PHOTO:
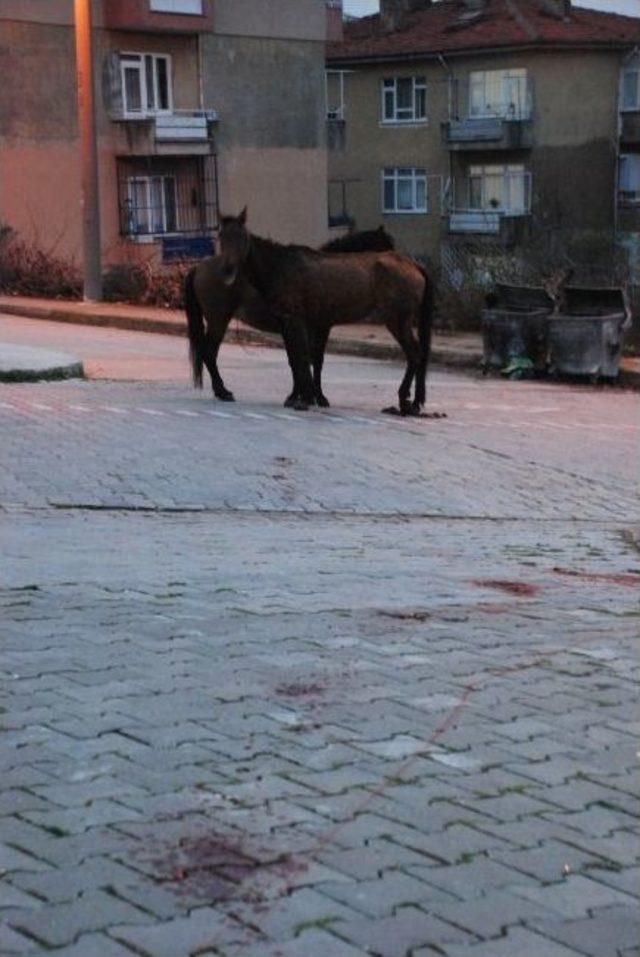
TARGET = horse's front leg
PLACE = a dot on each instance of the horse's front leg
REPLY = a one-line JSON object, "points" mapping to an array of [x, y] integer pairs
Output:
{"points": [[293, 396], [297, 346], [320, 338], [213, 339]]}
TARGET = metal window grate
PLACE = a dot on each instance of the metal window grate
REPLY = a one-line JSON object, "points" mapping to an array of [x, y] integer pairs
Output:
{"points": [[160, 197]]}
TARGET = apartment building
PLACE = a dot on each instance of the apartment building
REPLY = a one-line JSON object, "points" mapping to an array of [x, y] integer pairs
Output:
{"points": [[200, 104], [485, 122], [628, 193]]}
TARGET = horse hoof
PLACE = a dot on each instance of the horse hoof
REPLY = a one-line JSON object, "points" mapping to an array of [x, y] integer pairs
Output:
{"points": [[225, 396], [391, 410], [300, 406], [290, 401], [323, 402]]}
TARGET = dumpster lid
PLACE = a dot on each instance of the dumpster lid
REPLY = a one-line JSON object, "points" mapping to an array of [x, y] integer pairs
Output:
{"points": [[520, 298], [595, 301]]}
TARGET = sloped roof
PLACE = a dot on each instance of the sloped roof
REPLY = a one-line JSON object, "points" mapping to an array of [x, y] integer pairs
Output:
{"points": [[449, 27]]}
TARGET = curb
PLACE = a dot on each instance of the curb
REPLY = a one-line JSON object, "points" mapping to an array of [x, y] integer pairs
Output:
{"points": [[74, 370], [25, 363], [244, 335], [237, 333]]}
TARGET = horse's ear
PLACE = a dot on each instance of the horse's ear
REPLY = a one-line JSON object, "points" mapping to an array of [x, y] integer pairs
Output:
{"points": [[242, 218]]}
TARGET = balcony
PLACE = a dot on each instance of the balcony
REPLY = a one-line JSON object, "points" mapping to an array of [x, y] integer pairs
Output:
{"points": [[507, 228], [179, 133], [630, 128], [159, 16], [170, 202], [487, 133]]}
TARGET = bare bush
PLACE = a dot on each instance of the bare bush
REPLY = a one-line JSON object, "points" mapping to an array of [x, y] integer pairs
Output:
{"points": [[28, 270]]}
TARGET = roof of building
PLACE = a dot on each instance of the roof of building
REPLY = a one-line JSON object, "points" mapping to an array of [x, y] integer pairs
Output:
{"points": [[454, 26]]}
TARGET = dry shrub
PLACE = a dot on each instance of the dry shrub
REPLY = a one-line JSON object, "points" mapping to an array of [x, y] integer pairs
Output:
{"points": [[147, 284], [28, 270]]}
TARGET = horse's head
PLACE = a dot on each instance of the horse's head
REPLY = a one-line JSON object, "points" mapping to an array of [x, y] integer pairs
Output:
{"points": [[234, 242]]}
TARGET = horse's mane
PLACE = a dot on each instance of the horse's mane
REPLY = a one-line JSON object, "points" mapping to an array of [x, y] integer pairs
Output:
{"points": [[369, 240]]}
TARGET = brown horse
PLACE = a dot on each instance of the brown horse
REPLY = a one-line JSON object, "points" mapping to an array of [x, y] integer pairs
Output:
{"points": [[308, 291], [211, 302]]}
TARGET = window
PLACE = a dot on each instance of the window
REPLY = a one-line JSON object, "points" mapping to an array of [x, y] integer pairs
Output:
{"points": [[177, 6], [151, 205], [334, 90], [630, 94], [404, 100], [501, 93], [404, 190], [629, 178], [504, 189], [146, 83]]}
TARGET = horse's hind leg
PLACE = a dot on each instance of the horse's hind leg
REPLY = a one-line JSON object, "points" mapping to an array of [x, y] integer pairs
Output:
{"points": [[213, 340], [296, 343], [320, 337], [403, 334]]}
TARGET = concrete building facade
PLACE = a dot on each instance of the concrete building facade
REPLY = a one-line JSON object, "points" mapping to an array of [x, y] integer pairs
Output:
{"points": [[201, 105], [481, 121]]}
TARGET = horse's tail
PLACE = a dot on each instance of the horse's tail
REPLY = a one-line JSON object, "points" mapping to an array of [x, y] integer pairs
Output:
{"points": [[425, 328], [426, 316], [195, 326]]}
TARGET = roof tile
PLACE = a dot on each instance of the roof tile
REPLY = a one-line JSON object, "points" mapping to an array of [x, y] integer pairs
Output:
{"points": [[443, 28]]}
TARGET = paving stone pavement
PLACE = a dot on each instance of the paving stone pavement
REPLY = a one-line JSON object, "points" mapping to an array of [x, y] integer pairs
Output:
{"points": [[328, 685]]}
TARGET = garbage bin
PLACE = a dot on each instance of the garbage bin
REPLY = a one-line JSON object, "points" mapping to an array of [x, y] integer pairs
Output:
{"points": [[514, 326], [585, 338]]}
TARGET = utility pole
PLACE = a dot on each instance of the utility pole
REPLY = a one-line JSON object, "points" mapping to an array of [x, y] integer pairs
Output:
{"points": [[92, 271]]}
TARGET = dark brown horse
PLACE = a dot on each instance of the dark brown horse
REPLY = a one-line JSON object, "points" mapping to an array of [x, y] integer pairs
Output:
{"points": [[308, 291], [211, 302]]}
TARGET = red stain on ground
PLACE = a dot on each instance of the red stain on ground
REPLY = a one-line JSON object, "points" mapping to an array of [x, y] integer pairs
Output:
{"points": [[218, 868], [614, 578], [513, 588]]}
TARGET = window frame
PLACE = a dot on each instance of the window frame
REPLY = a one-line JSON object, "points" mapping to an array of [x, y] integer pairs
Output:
{"points": [[506, 171], [629, 197], [190, 8], [147, 180], [501, 111], [395, 174], [127, 62], [389, 84], [636, 106]]}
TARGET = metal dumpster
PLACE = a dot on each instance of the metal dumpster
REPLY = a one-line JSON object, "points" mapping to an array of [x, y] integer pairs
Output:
{"points": [[514, 326], [585, 337]]}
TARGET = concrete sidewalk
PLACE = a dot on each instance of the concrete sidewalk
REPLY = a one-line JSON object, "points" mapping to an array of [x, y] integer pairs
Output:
{"points": [[25, 364], [456, 350]]}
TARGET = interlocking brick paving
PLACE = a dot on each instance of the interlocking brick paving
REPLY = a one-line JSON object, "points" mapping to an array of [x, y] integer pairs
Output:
{"points": [[355, 709]]}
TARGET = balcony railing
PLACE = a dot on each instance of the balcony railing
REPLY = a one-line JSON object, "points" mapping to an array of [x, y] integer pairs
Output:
{"points": [[156, 133], [177, 124], [488, 132], [191, 16], [506, 226]]}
